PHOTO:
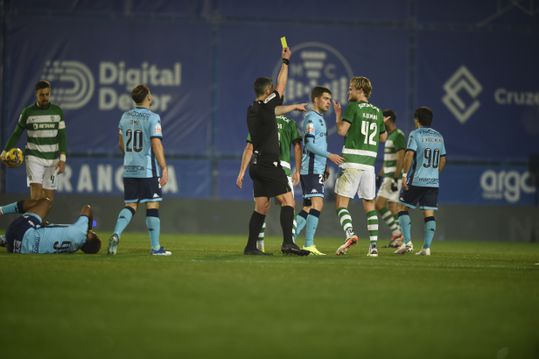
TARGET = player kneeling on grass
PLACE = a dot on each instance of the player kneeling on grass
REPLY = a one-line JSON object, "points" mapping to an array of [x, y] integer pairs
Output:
{"points": [[27, 235], [423, 162]]}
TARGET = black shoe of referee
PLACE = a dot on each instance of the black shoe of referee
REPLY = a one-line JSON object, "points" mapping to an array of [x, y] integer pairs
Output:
{"points": [[292, 248], [255, 252]]}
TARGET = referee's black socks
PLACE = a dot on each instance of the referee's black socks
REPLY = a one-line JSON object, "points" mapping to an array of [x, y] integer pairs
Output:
{"points": [[287, 221], [255, 225]]}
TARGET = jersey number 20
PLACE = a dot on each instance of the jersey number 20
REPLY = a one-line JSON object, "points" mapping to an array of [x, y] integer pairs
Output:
{"points": [[134, 140]]}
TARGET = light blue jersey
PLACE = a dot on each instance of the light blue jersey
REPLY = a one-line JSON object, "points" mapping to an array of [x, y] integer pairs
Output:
{"points": [[137, 127], [53, 238], [315, 144], [428, 146]]}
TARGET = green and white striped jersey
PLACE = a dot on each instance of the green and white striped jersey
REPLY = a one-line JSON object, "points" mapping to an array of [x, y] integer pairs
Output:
{"points": [[288, 134], [396, 141], [45, 130], [361, 142]]}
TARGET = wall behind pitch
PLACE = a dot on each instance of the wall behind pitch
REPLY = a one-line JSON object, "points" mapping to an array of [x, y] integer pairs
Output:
{"points": [[484, 91], [95, 62], [500, 223], [410, 49], [322, 55]]}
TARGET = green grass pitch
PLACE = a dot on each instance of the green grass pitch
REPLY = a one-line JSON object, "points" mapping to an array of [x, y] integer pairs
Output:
{"points": [[467, 300]]}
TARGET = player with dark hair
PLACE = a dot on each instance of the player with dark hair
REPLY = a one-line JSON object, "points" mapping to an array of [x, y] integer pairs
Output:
{"points": [[363, 127], [46, 142], [145, 168], [28, 235], [269, 179], [313, 166], [425, 158], [387, 199]]}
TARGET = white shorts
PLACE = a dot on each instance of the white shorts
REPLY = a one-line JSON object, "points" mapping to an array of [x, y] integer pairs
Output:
{"points": [[354, 180], [386, 192], [41, 171]]}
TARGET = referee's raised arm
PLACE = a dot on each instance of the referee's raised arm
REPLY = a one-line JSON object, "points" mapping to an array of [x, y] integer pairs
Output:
{"points": [[283, 72]]}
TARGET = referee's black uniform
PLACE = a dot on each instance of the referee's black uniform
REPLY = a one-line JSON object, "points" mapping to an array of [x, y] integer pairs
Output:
{"points": [[269, 179]]}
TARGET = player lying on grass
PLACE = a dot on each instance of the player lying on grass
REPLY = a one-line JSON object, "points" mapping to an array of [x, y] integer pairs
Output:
{"points": [[27, 234]]}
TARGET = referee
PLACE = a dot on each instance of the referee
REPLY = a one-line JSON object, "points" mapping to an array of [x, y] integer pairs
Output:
{"points": [[269, 178]]}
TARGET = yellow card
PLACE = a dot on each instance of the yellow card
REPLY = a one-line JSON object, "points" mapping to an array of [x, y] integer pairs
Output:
{"points": [[283, 42]]}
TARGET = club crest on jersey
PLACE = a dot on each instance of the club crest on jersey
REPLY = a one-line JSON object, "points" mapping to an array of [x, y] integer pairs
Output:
{"points": [[309, 128]]}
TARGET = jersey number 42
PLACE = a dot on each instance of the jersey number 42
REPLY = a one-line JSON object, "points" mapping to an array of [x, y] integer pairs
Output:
{"points": [[368, 130]]}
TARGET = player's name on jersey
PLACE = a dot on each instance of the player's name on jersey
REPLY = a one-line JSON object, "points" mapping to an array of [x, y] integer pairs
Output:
{"points": [[365, 104], [370, 116], [431, 139]]}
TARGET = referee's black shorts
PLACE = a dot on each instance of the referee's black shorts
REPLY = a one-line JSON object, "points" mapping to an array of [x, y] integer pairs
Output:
{"points": [[269, 179]]}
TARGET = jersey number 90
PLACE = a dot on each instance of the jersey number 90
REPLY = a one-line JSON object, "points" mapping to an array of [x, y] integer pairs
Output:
{"points": [[432, 158]]}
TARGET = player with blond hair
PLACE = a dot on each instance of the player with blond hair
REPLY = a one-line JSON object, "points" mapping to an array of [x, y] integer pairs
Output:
{"points": [[362, 126]]}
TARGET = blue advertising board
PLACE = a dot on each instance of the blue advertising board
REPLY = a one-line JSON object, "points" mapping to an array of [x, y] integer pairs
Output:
{"points": [[104, 177], [460, 184], [485, 96], [319, 57], [200, 59], [93, 73], [487, 185]]}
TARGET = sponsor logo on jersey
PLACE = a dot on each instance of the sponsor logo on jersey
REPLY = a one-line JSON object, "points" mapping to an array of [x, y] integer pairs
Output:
{"points": [[309, 128]]}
